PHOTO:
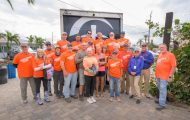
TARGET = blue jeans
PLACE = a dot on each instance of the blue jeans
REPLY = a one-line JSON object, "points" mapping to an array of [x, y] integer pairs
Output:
{"points": [[49, 85], [70, 80], [114, 80], [162, 86]]}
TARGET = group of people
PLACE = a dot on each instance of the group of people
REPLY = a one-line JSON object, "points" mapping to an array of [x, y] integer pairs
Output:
{"points": [[92, 63]]}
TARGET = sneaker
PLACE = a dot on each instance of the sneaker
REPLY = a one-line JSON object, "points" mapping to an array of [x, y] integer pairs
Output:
{"points": [[148, 96], [50, 94], [111, 99], [81, 98], [118, 99], [25, 101], [74, 96], [156, 101], [89, 100], [131, 96], [138, 101], [92, 98], [160, 108], [122, 92], [68, 100]]}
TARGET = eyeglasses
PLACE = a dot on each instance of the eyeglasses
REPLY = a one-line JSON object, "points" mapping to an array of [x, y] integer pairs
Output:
{"points": [[23, 46], [89, 33], [137, 51], [143, 45]]}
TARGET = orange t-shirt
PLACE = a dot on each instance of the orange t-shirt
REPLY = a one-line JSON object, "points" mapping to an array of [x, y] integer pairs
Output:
{"points": [[88, 39], [76, 45], [98, 43], [37, 63], [115, 66], [164, 64], [125, 56], [49, 54], [56, 62], [122, 41], [63, 45], [109, 43], [69, 61], [24, 62], [88, 62]]}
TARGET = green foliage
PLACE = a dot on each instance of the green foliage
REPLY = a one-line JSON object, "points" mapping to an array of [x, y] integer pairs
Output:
{"points": [[10, 38], [39, 41], [29, 2]]}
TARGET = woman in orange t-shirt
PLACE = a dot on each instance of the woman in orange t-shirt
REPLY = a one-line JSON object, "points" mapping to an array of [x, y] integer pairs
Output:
{"points": [[90, 64], [101, 71], [39, 64]]}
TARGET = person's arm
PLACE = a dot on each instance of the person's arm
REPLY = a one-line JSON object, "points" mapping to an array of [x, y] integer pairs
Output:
{"points": [[129, 66], [35, 66], [173, 64], [149, 59], [78, 59], [140, 67], [62, 64], [16, 61], [47, 66]]}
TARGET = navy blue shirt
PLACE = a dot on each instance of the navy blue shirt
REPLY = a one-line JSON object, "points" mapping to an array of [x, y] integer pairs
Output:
{"points": [[148, 59]]}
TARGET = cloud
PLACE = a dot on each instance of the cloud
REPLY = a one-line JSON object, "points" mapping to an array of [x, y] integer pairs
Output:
{"points": [[44, 18]]}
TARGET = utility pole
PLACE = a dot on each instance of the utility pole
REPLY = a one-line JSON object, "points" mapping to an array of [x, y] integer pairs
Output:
{"points": [[149, 28], [52, 38]]}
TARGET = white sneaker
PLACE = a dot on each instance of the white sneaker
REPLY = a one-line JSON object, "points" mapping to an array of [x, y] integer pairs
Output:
{"points": [[89, 100], [92, 98], [25, 101]]}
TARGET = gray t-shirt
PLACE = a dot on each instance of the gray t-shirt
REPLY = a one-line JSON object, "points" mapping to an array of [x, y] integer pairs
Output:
{"points": [[79, 58]]}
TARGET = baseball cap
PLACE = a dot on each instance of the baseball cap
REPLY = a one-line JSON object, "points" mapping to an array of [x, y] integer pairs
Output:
{"points": [[24, 44], [137, 49], [123, 32], [115, 52], [47, 43], [90, 43], [69, 45]]}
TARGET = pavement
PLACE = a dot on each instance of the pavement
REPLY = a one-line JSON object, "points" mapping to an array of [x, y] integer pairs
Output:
{"points": [[11, 108]]}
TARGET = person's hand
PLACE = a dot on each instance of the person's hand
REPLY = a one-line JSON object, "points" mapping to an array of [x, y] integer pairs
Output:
{"points": [[41, 67], [170, 79], [133, 73], [65, 73]]}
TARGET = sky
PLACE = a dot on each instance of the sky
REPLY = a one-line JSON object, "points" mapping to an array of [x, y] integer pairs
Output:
{"points": [[43, 18]]}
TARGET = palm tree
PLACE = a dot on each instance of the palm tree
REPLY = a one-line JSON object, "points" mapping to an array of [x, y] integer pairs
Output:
{"points": [[30, 40], [39, 41], [10, 39], [145, 38], [140, 41], [29, 2]]}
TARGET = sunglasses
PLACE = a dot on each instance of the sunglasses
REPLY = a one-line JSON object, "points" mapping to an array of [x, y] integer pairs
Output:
{"points": [[23, 46], [89, 33], [143, 45], [136, 51]]}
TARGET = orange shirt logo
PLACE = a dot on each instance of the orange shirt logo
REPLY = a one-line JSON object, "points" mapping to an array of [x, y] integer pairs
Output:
{"points": [[26, 59]]}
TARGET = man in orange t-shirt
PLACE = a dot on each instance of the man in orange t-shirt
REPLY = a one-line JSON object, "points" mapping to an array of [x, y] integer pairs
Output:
{"points": [[125, 56], [165, 68], [23, 62], [115, 71], [49, 52], [63, 42], [58, 73], [77, 43], [99, 42], [122, 41], [109, 42], [88, 37], [68, 66]]}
